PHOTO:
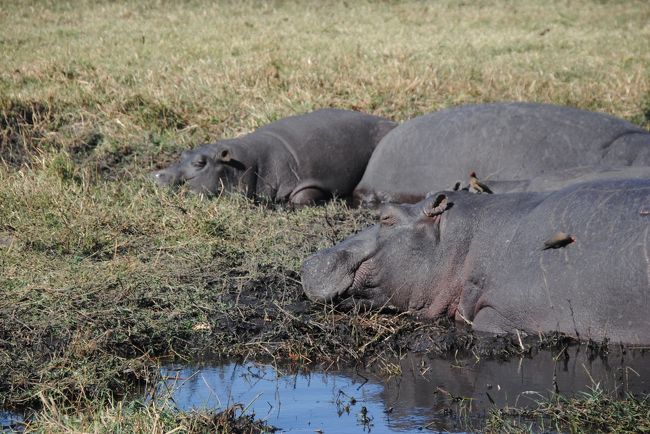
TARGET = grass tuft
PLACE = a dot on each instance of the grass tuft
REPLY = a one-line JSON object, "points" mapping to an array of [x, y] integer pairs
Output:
{"points": [[596, 411]]}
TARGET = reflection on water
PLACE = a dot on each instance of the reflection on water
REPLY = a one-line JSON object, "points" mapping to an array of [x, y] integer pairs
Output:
{"points": [[296, 402], [432, 394], [10, 422]]}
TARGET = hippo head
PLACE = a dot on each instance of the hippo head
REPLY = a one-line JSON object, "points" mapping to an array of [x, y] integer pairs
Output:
{"points": [[210, 169], [390, 264]]}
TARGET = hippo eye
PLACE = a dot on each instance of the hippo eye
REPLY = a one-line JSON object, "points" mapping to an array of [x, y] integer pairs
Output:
{"points": [[199, 163], [387, 220]]}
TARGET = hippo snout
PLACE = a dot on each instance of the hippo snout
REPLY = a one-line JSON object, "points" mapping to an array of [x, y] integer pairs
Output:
{"points": [[164, 178], [323, 278], [329, 274]]}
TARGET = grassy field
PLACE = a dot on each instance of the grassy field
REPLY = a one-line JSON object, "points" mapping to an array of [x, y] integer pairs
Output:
{"points": [[102, 275]]}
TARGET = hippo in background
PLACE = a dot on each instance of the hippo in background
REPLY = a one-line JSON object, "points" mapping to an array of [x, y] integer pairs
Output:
{"points": [[487, 260], [300, 159], [507, 144], [558, 179]]}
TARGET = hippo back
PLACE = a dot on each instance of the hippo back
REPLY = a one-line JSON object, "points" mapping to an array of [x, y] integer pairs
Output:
{"points": [[331, 146], [598, 286], [500, 141]]}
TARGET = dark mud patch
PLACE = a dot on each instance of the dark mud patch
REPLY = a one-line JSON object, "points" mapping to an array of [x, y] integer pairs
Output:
{"points": [[234, 419], [23, 129], [115, 162], [286, 326], [85, 144], [112, 164]]}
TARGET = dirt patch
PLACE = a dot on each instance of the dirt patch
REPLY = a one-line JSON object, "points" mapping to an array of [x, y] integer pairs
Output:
{"points": [[232, 420], [23, 126], [7, 236], [286, 326], [81, 148], [113, 164]]}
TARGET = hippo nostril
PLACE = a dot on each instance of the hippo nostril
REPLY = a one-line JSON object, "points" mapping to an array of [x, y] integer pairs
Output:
{"points": [[163, 178]]}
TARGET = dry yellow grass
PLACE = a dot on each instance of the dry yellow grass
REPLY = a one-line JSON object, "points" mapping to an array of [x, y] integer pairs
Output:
{"points": [[231, 66]]}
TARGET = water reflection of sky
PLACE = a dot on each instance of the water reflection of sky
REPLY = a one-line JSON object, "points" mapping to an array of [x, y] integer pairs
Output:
{"points": [[8, 421], [295, 402], [433, 394]]}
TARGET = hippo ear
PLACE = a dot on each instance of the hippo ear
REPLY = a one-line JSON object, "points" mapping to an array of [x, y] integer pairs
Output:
{"points": [[437, 207], [224, 155]]}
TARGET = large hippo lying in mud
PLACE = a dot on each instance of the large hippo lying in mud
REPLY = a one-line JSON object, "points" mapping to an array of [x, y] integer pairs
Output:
{"points": [[485, 259], [301, 159], [507, 144]]}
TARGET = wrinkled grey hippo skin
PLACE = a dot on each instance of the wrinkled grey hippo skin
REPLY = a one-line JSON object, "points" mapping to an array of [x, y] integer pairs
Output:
{"points": [[481, 261], [507, 144], [301, 159]]}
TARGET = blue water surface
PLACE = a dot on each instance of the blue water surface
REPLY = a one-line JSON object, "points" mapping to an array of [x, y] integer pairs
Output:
{"points": [[431, 395], [10, 422], [302, 402]]}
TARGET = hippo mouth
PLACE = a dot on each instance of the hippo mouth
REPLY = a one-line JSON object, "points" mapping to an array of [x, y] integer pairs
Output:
{"points": [[328, 282], [362, 292], [343, 271], [361, 276], [356, 284]]}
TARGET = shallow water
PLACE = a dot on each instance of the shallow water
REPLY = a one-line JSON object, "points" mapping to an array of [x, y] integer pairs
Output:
{"points": [[429, 394], [9, 421]]}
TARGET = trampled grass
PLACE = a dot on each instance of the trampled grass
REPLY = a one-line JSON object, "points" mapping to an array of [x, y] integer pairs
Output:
{"points": [[101, 273]]}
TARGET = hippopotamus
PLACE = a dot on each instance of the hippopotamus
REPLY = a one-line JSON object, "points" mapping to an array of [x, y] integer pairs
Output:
{"points": [[507, 144], [486, 260], [300, 159]]}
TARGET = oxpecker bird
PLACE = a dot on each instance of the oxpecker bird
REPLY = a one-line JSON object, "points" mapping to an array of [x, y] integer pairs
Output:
{"points": [[476, 186], [559, 240]]}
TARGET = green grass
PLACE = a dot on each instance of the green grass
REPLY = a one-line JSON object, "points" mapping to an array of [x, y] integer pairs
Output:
{"points": [[101, 274]]}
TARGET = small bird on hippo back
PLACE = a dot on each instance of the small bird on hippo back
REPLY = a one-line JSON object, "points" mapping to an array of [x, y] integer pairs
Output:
{"points": [[559, 240], [476, 186]]}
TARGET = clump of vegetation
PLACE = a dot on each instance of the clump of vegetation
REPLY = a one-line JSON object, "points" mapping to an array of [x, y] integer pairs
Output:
{"points": [[101, 274], [139, 417], [596, 411]]}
